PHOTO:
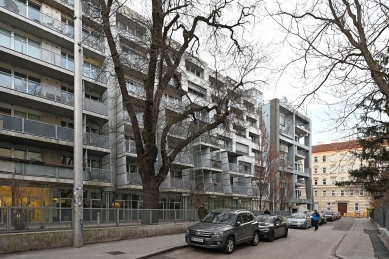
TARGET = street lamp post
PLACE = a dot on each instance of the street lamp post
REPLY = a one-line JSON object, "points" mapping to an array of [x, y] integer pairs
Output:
{"points": [[78, 156]]}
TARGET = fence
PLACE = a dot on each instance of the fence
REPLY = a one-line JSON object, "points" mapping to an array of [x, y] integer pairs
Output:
{"points": [[20, 219], [381, 216]]}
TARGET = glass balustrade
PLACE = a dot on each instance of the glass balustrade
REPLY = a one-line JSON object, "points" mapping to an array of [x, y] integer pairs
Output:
{"points": [[31, 13]]}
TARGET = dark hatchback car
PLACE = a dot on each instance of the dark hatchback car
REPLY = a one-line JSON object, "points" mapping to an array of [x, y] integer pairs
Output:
{"points": [[272, 226], [223, 229]]}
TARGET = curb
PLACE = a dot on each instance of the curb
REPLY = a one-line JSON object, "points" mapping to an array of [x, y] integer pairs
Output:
{"points": [[162, 252]]}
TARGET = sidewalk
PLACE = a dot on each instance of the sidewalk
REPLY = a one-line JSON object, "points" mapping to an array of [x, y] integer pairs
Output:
{"points": [[129, 249], [362, 242]]}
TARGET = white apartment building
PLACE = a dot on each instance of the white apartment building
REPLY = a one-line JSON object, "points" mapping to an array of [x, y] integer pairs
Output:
{"points": [[36, 120]]}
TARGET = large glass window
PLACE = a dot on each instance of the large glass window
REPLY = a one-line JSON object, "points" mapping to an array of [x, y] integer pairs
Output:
{"points": [[5, 152], [5, 77], [5, 38], [356, 206], [34, 155], [20, 44], [20, 82], [20, 154], [20, 114], [34, 12], [34, 49]]}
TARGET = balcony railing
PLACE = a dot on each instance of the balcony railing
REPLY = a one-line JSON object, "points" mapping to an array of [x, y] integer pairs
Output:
{"points": [[239, 190], [49, 130], [57, 172], [34, 50], [95, 106], [207, 163], [214, 187], [38, 17], [183, 157], [236, 168], [209, 140], [178, 131], [134, 179], [97, 175], [301, 152]]}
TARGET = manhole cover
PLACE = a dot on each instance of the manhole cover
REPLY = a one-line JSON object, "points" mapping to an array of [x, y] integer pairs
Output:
{"points": [[115, 253]]}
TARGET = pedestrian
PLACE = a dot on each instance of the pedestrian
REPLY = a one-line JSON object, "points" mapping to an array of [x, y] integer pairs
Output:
{"points": [[202, 211], [267, 211], [315, 219]]}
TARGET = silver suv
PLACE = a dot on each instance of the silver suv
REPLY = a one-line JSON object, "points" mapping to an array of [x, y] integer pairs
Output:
{"points": [[223, 229]]}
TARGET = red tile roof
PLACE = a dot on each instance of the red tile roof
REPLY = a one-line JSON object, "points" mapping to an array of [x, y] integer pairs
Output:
{"points": [[337, 146]]}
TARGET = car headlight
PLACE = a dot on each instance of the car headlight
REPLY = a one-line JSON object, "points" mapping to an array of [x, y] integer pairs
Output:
{"points": [[264, 229], [217, 234]]}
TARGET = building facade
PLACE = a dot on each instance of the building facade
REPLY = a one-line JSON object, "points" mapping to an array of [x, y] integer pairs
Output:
{"points": [[290, 132], [331, 163], [36, 120]]}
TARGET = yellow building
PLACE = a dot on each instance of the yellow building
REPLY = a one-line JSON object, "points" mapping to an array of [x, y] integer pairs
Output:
{"points": [[330, 164]]}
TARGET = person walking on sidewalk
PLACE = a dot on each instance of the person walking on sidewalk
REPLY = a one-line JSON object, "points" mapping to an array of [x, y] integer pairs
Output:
{"points": [[202, 211], [267, 211], [315, 219]]}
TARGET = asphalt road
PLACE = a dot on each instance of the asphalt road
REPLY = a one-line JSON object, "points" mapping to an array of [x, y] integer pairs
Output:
{"points": [[300, 244]]}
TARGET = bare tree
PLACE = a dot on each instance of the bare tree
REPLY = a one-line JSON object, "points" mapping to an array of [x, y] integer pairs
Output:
{"points": [[21, 201], [340, 47], [266, 167], [194, 26]]}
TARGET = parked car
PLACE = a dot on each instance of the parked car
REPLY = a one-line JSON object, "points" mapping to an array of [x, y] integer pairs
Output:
{"points": [[272, 226], [299, 220], [329, 215], [323, 218], [338, 215], [335, 215], [223, 229]]}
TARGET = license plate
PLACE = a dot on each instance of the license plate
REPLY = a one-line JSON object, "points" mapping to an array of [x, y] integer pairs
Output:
{"points": [[197, 239]]}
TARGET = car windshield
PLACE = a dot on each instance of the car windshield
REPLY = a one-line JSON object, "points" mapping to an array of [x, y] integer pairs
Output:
{"points": [[219, 218], [328, 213], [298, 216], [265, 219]]}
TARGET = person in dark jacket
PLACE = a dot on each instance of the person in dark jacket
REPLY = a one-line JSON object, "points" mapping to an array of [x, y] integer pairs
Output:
{"points": [[267, 211], [315, 219], [202, 211]]}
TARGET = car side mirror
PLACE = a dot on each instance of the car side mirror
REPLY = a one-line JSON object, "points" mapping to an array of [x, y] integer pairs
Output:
{"points": [[238, 223]]}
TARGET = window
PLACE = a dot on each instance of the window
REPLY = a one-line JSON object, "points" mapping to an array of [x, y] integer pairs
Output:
{"points": [[5, 111], [315, 159], [324, 170], [198, 71], [135, 88], [34, 117], [66, 124], [333, 180], [241, 148], [20, 114], [332, 192], [356, 206], [332, 158], [342, 179], [20, 154], [324, 158], [131, 27], [324, 193], [341, 192], [6, 152], [361, 193], [197, 90], [351, 193], [90, 70], [5, 75], [333, 169], [342, 169], [315, 182], [282, 119], [315, 171], [5, 38], [324, 181], [67, 61], [66, 160], [315, 192], [34, 155]]}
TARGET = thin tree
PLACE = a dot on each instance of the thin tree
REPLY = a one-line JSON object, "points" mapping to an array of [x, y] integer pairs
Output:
{"points": [[175, 30]]}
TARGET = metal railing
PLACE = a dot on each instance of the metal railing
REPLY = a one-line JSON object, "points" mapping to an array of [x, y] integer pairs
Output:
{"points": [[20, 219], [207, 163], [236, 168], [97, 175], [38, 17], [34, 50], [239, 189], [50, 130], [134, 179], [381, 216]]}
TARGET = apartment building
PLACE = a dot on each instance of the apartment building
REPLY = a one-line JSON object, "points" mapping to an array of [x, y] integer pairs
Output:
{"points": [[290, 132], [36, 119], [331, 163]]}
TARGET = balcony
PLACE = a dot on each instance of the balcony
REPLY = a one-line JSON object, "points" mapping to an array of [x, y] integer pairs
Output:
{"points": [[239, 190], [208, 140], [207, 163], [214, 187], [179, 131], [183, 157], [34, 50], [37, 128], [95, 106], [236, 168], [54, 172], [130, 146], [36, 16]]}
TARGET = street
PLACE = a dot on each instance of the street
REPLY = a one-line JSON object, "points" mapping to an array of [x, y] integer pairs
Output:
{"points": [[300, 244]]}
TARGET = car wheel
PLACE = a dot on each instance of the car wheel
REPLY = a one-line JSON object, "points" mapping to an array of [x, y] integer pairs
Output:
{"points": [[254, 242], [285, 233], [229, 248], [271, 236]]}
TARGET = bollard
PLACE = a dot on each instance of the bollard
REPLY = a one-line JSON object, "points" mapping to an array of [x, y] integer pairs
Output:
{"points": [[117, 217], [98, 219]]}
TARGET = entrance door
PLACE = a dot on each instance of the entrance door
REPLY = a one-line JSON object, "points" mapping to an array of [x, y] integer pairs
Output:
{"points": [[342, 208]]}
